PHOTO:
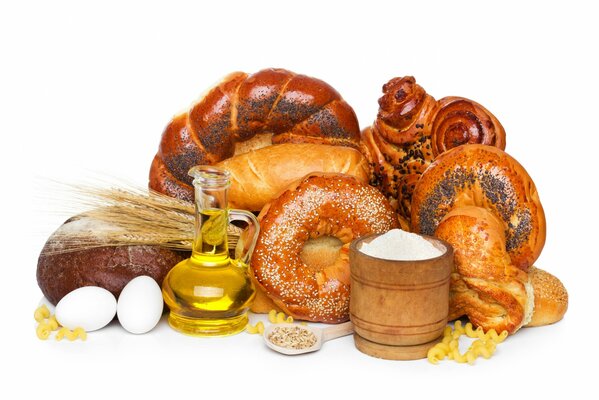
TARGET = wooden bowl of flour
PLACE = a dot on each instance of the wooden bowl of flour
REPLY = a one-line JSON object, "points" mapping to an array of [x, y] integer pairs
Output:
{"points": [[399, 308]]}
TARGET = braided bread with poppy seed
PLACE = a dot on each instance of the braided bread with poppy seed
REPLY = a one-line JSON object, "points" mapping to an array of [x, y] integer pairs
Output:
{"points": [[246, 112], [484, 203]]}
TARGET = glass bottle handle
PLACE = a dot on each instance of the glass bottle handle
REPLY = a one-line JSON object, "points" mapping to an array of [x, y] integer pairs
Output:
{"points": [[252, 230]]}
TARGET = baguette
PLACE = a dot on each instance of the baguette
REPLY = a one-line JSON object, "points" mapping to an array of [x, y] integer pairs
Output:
{"points": [[257, 177]]}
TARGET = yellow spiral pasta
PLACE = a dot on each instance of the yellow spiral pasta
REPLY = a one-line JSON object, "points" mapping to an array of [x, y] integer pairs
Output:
{"points": [[471, 356], [80, 333], [457, 327], [471, 333], [48, 323], [443, 347], [454, 344], [62, 332], [43, 331], [71, 335], [435, 354], [53, 323], [484, 351], [258, 328], [41, 313], [484, 345], [447, 331], [478, 343], [458, 357], [480, 333], [280, 318], [272, 316], [447, 339], [492, 335]]}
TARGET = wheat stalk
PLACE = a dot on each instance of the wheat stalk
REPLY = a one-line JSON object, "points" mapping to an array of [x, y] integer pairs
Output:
{"points": [[131, 216]]}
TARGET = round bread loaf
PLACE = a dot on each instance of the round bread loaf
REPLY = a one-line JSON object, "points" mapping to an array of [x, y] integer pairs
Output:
{"points": [[111, 267], [551, 298]]}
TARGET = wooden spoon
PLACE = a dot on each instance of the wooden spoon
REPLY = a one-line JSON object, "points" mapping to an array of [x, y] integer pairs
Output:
{"points": [[322, 335]]}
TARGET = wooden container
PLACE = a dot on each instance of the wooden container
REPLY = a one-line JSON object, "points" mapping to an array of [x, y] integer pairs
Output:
{"points": [[399, 308]]}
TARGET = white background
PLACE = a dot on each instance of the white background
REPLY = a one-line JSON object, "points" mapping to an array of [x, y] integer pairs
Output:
{"points": [[85, 91]]}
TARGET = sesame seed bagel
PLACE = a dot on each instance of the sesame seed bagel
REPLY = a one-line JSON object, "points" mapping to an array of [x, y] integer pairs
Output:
{"points": [[487, 177], [322, 208]]}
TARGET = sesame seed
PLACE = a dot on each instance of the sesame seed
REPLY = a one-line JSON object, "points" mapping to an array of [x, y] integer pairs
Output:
{"points": [[332, 205]]}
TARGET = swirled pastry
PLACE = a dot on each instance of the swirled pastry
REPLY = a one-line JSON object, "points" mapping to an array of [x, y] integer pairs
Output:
{"points": [[412, 129]]}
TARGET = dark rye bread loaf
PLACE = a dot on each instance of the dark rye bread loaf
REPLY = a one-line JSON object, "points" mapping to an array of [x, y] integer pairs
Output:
{"points": [[110, 267]]}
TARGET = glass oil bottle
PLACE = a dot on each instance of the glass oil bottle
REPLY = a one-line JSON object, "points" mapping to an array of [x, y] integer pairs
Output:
{"points": [[209, 294]]}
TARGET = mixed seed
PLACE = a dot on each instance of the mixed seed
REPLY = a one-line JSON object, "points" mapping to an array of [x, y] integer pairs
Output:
{"points": [[292, 337]]}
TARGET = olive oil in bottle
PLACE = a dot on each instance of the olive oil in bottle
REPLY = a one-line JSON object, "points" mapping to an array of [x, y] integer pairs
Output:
{"points": [[209, 294]]}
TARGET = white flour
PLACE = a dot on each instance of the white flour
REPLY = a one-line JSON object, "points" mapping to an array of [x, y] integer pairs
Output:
{"points": [[400, 245]]}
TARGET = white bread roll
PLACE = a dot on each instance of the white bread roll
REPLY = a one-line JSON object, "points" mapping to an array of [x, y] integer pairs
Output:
{"points": [[258, 176], [551, 298]]}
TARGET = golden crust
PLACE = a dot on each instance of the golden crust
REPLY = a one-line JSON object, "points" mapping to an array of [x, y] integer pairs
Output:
{"points": [[412, 129], [485, 285], [484, 203], [551, 298], [455, 121], [319, 205], [487, 177], [293, 108], [259, 175]]}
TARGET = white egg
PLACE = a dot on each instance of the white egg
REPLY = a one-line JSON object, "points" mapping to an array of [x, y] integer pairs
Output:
{"points": [[140, 305], [89, 307]]}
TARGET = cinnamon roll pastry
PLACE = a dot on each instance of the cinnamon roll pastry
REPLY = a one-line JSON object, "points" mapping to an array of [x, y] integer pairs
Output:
{"points": [[461, 121], [412, 129]]}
